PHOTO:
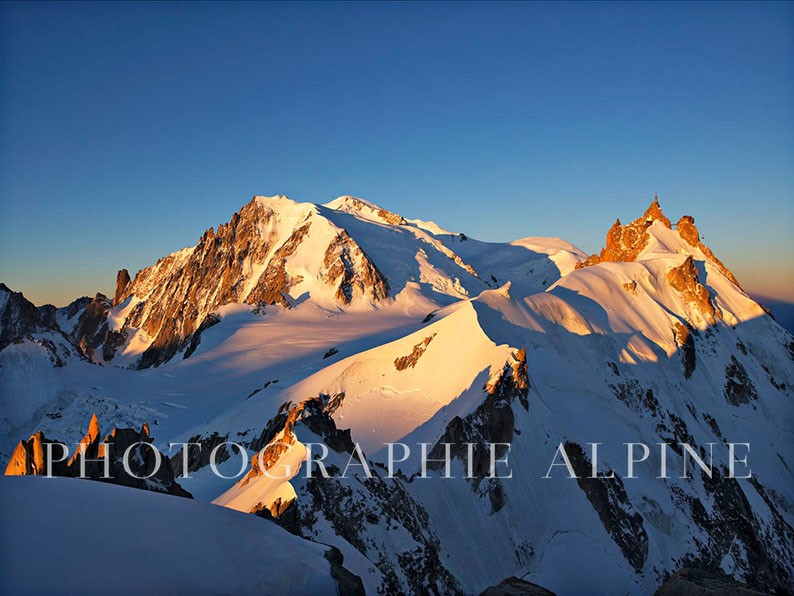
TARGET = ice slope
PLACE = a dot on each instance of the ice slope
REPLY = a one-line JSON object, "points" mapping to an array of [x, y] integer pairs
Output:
{"points": [[29, 382], [381, 403], [237, 357], [68, 536], [579, 325], [547, 525], [533, 263], [453, 265], [530, 264]]}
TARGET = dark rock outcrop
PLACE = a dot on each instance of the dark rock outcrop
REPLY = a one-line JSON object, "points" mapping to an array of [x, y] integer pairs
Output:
{"points": [[610, 501], [349, 583], [91, 330], [20, 318], [739, 388], [274, 284], [624, 243], [634, 395], [685, 280], [409, 361], [492, 422], [142, 463], [513, 586], [687, 230], [763, 559], [685, 340], [340, 262], [88, 460], [210, 320], [122, 283], [199, 453], [697, 582]]}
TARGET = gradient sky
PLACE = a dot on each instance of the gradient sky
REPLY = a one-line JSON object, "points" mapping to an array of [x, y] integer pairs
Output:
{"points": [[128, 129]]}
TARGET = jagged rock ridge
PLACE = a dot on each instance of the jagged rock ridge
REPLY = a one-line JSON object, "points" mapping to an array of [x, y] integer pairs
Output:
{"points": [[30, 458], [625, 243]]}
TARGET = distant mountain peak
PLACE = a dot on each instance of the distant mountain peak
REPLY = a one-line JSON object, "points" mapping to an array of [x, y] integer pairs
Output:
{"points": [[271, 251], [625, 243]]}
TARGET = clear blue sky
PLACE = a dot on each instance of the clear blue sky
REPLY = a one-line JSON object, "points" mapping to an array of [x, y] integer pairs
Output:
{"points": [[127, 129]]}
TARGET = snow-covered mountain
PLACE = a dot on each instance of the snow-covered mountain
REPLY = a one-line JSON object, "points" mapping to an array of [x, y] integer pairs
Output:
{"points": [[298, 325], [349, 254]]}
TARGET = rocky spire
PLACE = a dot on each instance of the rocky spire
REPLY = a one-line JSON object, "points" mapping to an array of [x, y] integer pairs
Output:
{"points": [[687, 230], [685, 280], [88, 446], [93, 428], [624, 243], [122, 283], [18, 316], [20, 462], [654, 213], [29, 458], [91, 330]]}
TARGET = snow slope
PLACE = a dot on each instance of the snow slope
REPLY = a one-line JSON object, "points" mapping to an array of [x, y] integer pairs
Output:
{"points": [[68, 536]]}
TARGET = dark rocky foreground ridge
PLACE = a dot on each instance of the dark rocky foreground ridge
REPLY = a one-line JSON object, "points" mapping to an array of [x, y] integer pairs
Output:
{"points": [[85, 460]]}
